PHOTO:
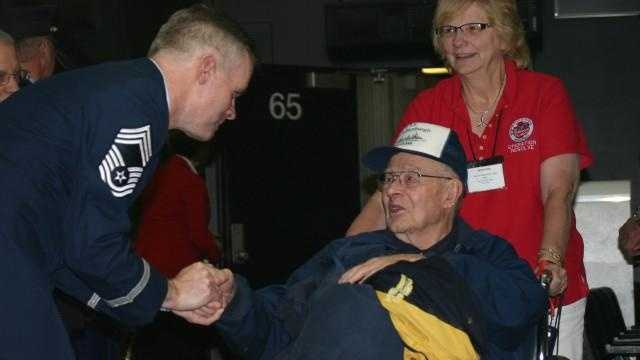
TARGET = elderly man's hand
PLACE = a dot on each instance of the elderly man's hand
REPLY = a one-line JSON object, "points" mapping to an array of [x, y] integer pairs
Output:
{"points": [[226, 284], [629, 237], [193, 287], [360, 273]]}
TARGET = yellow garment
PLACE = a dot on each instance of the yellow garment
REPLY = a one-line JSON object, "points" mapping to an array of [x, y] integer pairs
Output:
{"points": [[426, 334]]}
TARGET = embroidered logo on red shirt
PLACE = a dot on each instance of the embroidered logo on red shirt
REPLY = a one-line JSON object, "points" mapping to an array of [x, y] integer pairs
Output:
{"points": [[519, 132], [521, 129]]}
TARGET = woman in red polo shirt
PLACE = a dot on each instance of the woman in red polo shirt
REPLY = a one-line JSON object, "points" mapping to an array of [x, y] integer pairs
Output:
{"points": [[523, 143]]}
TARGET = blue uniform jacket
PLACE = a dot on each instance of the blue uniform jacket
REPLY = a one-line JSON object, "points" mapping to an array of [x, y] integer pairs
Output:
{"points": [[262, 324], [74, 152]]}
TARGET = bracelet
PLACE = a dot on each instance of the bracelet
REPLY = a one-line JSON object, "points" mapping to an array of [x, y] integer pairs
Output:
{"points": [[550, 255]]}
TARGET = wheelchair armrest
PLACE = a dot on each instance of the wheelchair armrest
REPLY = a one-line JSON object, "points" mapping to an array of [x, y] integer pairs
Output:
{"points": [[618, 341], [625, 335], [631, 331], [622, 349]]}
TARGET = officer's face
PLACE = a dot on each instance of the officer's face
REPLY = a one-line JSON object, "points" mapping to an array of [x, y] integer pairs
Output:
{"points": [[9, 70], [216, 101]]}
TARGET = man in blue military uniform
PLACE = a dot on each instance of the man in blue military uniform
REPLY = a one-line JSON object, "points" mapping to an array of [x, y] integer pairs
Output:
{"points": [[75, 150]]}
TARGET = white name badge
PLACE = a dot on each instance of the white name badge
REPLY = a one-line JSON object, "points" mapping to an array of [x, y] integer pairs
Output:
{"points": [[485, 175]]}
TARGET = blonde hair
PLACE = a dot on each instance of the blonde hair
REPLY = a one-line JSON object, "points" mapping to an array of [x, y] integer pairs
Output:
{"points": [[199, 26], [503, 17]]}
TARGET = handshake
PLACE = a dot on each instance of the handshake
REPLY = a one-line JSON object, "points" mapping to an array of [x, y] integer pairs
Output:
{"points": [[200, 293]]}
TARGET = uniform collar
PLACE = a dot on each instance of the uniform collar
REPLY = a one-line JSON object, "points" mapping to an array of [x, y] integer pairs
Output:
{"points": [[164, 81]]}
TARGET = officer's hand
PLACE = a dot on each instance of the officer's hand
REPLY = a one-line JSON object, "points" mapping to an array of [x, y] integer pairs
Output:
{"points": [[212, 311], [205, 315], [193, 287]]}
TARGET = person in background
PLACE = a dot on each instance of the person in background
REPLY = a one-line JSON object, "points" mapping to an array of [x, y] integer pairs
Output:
{"points": [[10, 73], [173, 229], [446, 291], [173, 232], [35, 29], [76, 150], [523, 145], [37, 56], [629, 236]]}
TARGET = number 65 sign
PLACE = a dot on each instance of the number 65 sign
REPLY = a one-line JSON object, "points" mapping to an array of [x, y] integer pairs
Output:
{"points": [[283, 106]]}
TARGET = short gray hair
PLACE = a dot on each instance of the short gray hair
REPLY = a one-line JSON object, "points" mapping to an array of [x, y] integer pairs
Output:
{"points": [[6, 38], [199, 26]]}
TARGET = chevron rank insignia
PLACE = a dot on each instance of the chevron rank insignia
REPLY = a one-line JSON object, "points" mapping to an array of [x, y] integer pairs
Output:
{"points": [[123, 164]]}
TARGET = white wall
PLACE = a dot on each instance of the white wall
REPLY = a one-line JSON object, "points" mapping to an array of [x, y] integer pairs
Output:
{"points": [[601, 208]]}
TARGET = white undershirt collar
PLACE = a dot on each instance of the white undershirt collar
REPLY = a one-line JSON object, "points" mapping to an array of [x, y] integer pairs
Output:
{"points": [[164, 81], [189, 163]]}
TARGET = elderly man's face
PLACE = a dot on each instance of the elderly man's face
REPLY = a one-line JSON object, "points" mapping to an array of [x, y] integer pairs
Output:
{"points": [[9, 69], [411, 209]]}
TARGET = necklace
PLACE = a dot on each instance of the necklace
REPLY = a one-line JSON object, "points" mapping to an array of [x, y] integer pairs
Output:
{"points": [[483, 121]]}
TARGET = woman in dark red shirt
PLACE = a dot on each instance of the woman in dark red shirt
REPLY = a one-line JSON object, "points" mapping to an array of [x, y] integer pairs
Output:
{"points": [[174, 223]]}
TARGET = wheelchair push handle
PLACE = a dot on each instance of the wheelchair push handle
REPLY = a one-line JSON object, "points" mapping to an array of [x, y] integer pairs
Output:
{"points": [[545, 279]]}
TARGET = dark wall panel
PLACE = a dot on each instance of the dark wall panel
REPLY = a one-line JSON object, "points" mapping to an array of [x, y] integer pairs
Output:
{"points": [[598, 60]]}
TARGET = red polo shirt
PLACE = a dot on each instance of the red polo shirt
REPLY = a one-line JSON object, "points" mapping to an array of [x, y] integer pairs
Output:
{"points": [[534, 120]]}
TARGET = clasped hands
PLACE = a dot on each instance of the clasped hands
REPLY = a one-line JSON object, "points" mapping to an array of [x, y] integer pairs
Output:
{"points": [[200, 293]]}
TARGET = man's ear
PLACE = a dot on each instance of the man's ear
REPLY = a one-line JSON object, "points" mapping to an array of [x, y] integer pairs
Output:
{"points": [[454, 192], [207, 66]]}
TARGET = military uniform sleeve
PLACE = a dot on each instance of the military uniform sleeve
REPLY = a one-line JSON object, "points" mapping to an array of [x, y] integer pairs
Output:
{"points": [[122, 129], [100, 255]]}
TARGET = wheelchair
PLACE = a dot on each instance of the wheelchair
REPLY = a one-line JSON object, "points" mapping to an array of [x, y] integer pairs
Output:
{"points": [[547, 330]]}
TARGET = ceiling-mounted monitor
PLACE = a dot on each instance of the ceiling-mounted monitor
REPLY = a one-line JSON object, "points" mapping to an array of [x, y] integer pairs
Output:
{"points": [[568, 9], [365, 31]]}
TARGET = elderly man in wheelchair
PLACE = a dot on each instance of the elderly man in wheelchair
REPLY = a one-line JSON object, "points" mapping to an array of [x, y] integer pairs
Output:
{"points": [[428, 287]]}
